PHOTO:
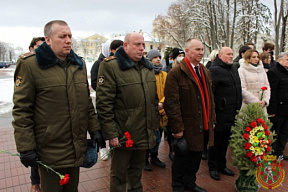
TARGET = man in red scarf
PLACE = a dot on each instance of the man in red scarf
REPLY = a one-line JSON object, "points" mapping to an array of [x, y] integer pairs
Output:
{"points": [[189, 106]]}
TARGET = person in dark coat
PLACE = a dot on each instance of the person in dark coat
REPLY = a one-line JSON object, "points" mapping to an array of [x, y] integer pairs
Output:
{"points": [[242, 50], [278, 107], [112, 48], [189, 106], [269, 47], [227, 98], [212, 57], [127, 101], [108, 49], [53, 110]]}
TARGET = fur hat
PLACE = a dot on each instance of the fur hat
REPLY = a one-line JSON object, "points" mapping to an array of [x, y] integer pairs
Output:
{"points": [[176, 51], [153, 53]]}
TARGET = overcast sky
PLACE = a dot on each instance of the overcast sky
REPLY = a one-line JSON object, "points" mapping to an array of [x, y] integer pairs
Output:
{"points": [[21, 20]]}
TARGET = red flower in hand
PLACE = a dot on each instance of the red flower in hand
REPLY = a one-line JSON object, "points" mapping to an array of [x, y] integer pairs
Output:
{"points": [[264, 88], [247, 145], [246, 136], [129, 143], [65, 179], [248, 129], [127, 135], [253, 124], [249, 154]]}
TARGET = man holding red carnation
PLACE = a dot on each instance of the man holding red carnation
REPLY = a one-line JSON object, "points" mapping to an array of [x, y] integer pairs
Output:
{"points": [[127, 101]]}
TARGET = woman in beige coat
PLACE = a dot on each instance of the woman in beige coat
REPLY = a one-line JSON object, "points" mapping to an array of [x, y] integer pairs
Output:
{"points": [[253, 79]]}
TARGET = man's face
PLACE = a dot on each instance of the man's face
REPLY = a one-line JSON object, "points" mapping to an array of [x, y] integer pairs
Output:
{"points": [[226, 55], [156, 60], [195, 51], [134, 47], [284, 61], [60, 40]]}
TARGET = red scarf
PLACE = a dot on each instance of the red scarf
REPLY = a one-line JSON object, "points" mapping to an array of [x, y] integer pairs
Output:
{"points": [[203, 93]]}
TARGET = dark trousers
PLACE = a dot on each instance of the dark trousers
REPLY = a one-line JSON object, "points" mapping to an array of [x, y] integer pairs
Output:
{"points": [[50, 180], [275, 128], [282, 136], [217, 153], [170, 138], [184, 169], [35, 178], [206, 140], [126, 168]]}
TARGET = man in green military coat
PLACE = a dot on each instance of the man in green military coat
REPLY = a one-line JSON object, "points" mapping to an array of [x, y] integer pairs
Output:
{"points": [[127, 101], [53, 110]]}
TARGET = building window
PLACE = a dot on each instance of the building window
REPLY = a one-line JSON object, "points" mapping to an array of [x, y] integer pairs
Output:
{"points": [[151, 46]]}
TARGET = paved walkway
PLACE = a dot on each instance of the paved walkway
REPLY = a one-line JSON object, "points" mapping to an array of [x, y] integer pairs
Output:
{"points": [[14, 177]]}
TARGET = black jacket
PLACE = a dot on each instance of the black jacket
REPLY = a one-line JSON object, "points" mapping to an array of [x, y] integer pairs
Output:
{"points": [[94, 71], [227, 91], [278, 79]]}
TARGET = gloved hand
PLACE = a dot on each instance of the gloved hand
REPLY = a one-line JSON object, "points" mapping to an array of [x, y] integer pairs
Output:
{"points": [[96, 137], [28, 158]]}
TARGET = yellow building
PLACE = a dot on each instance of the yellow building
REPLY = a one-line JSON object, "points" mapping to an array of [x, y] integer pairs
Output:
{"points": [[89, 48]]}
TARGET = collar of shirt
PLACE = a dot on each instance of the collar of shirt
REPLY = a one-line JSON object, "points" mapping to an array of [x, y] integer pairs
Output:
{"points": [[194, 66]]}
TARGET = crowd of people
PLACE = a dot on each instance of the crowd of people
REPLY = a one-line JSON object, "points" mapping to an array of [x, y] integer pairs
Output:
{"points": [[136, 96]]}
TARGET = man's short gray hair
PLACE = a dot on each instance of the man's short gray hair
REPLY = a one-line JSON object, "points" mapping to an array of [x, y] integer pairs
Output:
{"points": [[282, 54], [48, 29], [188, 42]]}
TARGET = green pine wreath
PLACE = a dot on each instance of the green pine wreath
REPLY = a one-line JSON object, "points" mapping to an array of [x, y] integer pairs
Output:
{"points": [[251, 138]]}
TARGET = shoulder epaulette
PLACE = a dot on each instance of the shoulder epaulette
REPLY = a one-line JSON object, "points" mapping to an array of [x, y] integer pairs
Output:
{"points": [[26, 55], [109, 58]]}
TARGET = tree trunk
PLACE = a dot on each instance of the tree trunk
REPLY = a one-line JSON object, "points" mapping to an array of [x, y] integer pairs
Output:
{"points": [[233, 24]]}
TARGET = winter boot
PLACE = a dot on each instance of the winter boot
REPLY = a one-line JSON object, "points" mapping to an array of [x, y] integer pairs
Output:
{"points": [[156, 161]]}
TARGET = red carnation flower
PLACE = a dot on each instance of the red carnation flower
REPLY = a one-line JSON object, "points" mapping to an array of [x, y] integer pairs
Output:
{"points": [[269, 141], [254, 159], [247, 145], [248, 129], [267, 132], [259, 120], [268, 149], [129, 143], [246, 136], [249, 154], [265, 126], [64, 180], [253, 124], [127, 135], [264, 88]]}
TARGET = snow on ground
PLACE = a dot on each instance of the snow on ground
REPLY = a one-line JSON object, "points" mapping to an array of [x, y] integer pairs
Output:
{"points": [[7, 87], [6, 90]]}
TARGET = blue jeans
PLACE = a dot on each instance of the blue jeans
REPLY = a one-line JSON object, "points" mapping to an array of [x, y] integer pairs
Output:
{"points": [[158, 141]]}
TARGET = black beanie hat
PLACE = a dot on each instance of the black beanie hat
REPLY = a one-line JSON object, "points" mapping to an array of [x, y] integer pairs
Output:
{"points": [[176, 51]]}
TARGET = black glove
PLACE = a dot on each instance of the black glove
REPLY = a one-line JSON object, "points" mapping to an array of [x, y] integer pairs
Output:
{"points": [[96, 137], [28, 158]]}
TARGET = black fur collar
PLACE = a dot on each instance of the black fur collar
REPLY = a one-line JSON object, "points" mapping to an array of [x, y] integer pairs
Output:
{"points": [[46, 57], [126, 63]]}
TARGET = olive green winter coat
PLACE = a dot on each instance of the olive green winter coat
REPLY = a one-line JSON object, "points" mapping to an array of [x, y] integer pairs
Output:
{"points": [[127, 100], [52, 108]]}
